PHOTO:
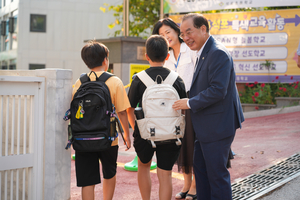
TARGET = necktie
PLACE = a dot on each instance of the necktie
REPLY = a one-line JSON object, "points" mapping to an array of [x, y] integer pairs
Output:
{"points": [[196, 64]]}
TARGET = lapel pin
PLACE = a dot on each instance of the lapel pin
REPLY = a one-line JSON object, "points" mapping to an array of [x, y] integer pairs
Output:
{"points": [[202, 58]]}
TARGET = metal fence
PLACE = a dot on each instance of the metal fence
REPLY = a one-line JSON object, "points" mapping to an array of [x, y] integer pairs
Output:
{"points": [[21, 137]]}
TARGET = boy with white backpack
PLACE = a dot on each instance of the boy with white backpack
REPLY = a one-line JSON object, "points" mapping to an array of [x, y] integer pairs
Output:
{"points": [[161, 129]]}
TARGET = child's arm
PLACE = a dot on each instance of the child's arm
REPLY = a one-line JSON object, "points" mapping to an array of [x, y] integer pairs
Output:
{"points": [[131, 117], [124, 122]]}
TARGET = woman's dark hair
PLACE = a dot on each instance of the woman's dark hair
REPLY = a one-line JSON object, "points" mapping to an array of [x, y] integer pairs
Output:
{"points": [[167, 22], [94, 53]]}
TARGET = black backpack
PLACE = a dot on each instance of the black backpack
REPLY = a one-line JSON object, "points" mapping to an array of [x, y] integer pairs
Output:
{"points": [[90, 114]]}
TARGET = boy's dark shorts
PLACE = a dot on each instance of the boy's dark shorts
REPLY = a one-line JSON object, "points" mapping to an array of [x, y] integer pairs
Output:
{"points": [[166, 154], [87, 166]]}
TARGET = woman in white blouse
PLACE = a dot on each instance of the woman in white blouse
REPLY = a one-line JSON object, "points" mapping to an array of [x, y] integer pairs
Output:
{"points": [[182, 61]]}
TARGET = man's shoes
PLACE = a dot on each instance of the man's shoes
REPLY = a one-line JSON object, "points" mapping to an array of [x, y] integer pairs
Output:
{"points": [[191, 197], [181, 195]]}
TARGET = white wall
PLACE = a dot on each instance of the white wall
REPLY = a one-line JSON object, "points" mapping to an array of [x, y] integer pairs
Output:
{"points": [[9, 7]]}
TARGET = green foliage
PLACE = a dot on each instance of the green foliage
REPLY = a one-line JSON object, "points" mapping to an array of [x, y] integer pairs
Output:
{"points": [[265, 93], [268, 64], [257, 93], [143, 15], [287, 89], [118, 14]]}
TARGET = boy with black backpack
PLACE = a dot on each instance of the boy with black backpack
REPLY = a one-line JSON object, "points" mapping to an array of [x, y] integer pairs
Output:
{"points": [[95, 96], [156, 132]]}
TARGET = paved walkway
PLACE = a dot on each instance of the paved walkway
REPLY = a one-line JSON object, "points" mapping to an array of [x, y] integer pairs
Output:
{"points": [[262, 142], [290, 191]]}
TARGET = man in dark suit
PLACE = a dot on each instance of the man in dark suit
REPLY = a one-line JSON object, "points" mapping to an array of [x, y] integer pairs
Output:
{"points": [[216, 108]]}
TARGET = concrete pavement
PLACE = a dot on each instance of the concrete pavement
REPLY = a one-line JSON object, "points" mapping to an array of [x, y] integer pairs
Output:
{"points": [[289, 191], [262, 142]]}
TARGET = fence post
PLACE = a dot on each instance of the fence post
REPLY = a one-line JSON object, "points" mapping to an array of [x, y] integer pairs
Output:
{"points": [[57, 160]]}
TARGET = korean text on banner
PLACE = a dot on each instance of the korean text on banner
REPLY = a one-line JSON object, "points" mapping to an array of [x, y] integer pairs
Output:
{"points": [[181, 6], [254, 37]]}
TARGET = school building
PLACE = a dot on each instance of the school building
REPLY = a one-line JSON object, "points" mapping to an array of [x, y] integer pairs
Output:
{"points": [[37, 34]]}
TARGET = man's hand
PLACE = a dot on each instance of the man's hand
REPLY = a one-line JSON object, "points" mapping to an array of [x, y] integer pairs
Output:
{"points": [[181, 104], [124, 122]]}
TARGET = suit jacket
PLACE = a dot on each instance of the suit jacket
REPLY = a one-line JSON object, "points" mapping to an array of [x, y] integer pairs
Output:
{"points": [[214, 99]]}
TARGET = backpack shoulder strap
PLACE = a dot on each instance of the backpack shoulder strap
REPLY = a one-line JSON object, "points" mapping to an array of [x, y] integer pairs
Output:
{"points": [[84, 78], [145, 78], [104, 76], [171, 78]]}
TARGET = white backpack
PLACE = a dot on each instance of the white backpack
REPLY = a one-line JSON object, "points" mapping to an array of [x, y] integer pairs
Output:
{"points": [[161, 121]]}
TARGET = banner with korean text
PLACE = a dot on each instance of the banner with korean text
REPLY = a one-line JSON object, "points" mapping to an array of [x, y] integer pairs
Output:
{"points": [[182, 6], [253, 38]]}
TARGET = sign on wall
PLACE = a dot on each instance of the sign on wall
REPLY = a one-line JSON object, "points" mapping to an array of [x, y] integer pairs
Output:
{"points": [[254, 37], [141, 51], [136, 68], [181, 6]]}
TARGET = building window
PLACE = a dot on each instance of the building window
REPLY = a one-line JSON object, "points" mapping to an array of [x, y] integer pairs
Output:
{"points": [[14, 29], [13, 64], [12, 67], [3, 27], [36, 66], [37, 23], [1, 37], [4, 65], [6, 36]]}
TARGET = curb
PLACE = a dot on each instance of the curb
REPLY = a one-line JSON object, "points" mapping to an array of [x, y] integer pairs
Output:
{"points": [[274, 111]]}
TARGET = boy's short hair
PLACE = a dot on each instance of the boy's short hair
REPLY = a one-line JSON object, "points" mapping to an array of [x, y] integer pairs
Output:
{"points": [[157, 48], [94, 53]]}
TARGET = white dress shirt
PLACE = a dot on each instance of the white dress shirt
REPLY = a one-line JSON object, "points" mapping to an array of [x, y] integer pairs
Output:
{"points": [[196, 64], [185, 66]]}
